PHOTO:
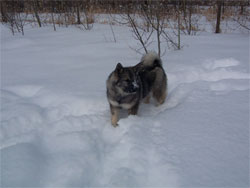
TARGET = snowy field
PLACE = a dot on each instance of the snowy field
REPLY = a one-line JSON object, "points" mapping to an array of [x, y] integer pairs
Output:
{"points": [[55, 119]]}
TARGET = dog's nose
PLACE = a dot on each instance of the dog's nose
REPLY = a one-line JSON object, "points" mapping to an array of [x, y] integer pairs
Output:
{"points": [[132, 89]]}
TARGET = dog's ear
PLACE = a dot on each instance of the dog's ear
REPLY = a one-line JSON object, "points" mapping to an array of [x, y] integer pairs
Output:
{"points": [[119, 68]]}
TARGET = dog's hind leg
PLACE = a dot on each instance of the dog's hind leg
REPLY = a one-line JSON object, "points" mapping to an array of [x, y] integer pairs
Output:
{"points": [[114, 115], [160, 95], [146, 100]]}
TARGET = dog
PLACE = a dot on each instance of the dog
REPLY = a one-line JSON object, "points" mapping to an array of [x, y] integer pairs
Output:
{"points": [[128, 86]]}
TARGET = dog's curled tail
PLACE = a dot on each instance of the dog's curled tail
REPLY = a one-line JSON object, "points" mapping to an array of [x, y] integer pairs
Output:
{"points": [[151, 59]]}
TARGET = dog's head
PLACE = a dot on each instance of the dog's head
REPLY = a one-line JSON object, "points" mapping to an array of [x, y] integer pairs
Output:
{"points": [[126, 79]]}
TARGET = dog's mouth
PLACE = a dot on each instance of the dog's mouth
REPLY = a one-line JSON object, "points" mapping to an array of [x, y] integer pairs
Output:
{"points": [[131, 89]]}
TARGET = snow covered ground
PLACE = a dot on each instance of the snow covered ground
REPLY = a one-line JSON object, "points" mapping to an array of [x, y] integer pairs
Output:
{"points": [[55, 121]]}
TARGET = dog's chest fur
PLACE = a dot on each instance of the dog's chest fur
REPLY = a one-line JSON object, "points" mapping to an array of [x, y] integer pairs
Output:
{"points": [[124, 101]]}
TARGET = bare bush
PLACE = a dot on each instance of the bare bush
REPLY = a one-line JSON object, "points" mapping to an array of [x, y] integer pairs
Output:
{"points": [[190, 19], [148, 24]]}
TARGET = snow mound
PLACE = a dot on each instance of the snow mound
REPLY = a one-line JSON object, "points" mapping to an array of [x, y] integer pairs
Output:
{"points": [[213, 64], [209, 73], [24, 90]]}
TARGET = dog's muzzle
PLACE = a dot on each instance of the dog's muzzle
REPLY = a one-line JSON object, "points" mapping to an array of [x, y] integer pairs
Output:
{"points": [[132, 88]]}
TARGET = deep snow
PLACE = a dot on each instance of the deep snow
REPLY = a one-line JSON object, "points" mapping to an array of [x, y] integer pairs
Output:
{"points": [[55, 121]]}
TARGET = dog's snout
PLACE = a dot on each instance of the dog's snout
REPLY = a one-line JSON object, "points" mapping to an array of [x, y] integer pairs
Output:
{"points": [[131, 88]]}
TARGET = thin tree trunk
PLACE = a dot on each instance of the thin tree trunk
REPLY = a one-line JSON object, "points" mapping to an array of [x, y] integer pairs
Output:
{"points": [[184, 9], [179, 28], [78, 14], [158, 35], [241, 9], [52, 15], [3, 12], [35, 4], [218, 17], [190, 20], [113, 33], [38, 19], [223, 7]]}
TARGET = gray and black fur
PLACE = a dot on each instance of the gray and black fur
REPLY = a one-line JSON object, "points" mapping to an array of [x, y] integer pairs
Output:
{"points": [[128, 86]]}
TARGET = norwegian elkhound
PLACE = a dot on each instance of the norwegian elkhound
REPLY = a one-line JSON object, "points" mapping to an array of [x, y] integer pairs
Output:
{"points": [[128, 86]]}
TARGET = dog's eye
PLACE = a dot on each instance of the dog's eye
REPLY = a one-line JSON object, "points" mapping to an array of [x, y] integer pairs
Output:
{"points": [[118, 83]]}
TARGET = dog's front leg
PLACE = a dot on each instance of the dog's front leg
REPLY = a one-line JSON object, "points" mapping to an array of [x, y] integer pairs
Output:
{"points": [[114, 115], [134, 109]]}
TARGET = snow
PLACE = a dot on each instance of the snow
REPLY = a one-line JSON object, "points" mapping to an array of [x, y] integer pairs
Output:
{"points": [[55, 119]]}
